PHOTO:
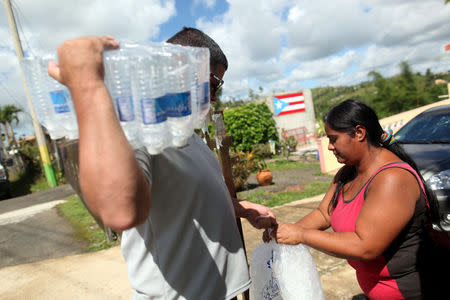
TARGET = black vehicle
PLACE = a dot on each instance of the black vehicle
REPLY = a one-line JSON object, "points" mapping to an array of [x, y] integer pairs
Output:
{"points": [[426, 139]]}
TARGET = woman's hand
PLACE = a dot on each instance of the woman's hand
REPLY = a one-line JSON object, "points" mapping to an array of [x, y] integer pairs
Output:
{"points": [[290, 234]]}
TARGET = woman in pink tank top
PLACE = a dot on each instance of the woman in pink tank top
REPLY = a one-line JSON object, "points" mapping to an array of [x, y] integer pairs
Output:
{"points": [[379, 208]]}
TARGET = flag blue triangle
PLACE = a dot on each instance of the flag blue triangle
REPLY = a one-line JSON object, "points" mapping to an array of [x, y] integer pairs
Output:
{"points": [[279, 105]]}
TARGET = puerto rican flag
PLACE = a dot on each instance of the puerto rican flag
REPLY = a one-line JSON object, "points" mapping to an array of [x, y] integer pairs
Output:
{"points": [[289, 104]]}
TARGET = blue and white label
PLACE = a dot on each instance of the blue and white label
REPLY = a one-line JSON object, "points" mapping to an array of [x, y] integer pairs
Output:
{"points": [[178, 105], [271, 289], [205, 99], [153, 110], [59, 100], [125, 109]]}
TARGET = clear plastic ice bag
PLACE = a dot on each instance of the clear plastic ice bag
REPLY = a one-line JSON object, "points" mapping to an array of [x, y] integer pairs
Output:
{"points": [[283, 272]]}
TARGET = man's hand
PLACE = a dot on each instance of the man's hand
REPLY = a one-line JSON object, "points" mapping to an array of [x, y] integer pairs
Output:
{"points": [[291, 234], [258, 215], [81, 61]]}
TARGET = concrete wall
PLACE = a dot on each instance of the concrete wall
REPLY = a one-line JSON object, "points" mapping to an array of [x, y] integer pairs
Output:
{"points": [[328, 163], [294, 120]]}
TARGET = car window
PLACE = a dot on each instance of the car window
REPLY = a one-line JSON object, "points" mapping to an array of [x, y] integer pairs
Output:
{"points": [[428, 127]]}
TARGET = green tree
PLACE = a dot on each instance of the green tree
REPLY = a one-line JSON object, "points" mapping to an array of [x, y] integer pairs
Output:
{"points": [[385, 100], [407, 88], [249, 125], [8, 115], [3, 122], [252, 95], [429, 78]]}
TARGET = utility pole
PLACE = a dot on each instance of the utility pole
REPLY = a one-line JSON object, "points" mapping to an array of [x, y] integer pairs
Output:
{"points": [[48, 168]]}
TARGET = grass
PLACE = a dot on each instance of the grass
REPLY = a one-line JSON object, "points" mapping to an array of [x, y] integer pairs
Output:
{"points": [[40, 184], [28, 182], [32, 180], [290, 165], [86, 228], [319, 173], [272, 199]]}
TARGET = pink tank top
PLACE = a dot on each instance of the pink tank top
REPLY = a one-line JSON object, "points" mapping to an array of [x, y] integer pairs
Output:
{"points": [[393, 274]]}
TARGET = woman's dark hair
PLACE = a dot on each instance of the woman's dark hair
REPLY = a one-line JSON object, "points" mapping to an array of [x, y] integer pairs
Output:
{"points": [[344, 118], [197, 38]]}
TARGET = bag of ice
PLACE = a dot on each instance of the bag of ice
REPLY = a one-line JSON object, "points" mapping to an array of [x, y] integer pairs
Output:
{"points": [[283, 272]]}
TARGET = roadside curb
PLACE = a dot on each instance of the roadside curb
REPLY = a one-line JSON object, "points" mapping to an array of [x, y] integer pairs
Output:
{"points": [[302, 201]]}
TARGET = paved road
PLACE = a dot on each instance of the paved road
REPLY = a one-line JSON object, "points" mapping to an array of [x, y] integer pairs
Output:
{"points": [[57, 193], [32, 230]]}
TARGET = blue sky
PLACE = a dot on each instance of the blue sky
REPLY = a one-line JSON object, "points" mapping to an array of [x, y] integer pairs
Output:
{"points": [[280, 45], [187, 12]]}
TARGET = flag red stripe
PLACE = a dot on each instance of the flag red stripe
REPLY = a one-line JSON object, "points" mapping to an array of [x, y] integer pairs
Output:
{"points": [[289, 95], [296, 102], [290, 111]]}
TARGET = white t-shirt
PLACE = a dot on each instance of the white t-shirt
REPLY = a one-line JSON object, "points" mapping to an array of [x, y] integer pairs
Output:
{"points": [[189, 247]]}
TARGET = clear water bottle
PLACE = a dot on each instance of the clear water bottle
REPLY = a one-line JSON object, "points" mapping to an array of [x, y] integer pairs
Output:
{"points": [[147, 79], [179, 85], [117, 79], [32, 70], [200, 62], [61, 100], [52, 101]]}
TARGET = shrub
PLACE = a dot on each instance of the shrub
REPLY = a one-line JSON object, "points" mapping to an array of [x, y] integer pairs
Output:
{"points": [[288, 145], [243, 165], [249, 125], [262, 151]]}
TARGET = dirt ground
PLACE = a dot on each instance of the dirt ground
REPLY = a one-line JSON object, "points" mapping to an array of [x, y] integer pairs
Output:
{"points": [[284, 180]]}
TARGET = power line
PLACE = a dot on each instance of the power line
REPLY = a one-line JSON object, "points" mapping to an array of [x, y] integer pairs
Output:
{"points": [[8, 92], [18, 12]]}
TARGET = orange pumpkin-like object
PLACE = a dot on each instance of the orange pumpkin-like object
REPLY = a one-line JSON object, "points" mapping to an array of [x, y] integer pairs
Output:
{"points": [[264, 177]]}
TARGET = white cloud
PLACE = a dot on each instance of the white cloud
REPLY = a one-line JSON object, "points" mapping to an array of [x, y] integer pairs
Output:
{"points": [[45, 24], [324, 67], [250, 34], [326, 28], [296, 14], [278, 44]]}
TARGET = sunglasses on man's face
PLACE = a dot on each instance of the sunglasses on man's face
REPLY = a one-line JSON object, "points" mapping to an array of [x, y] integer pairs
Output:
{"points": [[216, 84]]}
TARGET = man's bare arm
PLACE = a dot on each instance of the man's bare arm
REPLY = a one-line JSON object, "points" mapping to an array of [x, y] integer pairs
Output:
{"points": [[111, 179]]}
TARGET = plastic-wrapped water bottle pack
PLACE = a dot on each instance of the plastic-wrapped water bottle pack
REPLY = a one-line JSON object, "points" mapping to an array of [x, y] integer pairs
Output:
{"points": [[160, 93], [51, 100]]}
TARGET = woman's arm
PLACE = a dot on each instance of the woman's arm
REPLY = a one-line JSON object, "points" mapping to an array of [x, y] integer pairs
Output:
{"points": [[389, 206], [318, 219]]}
